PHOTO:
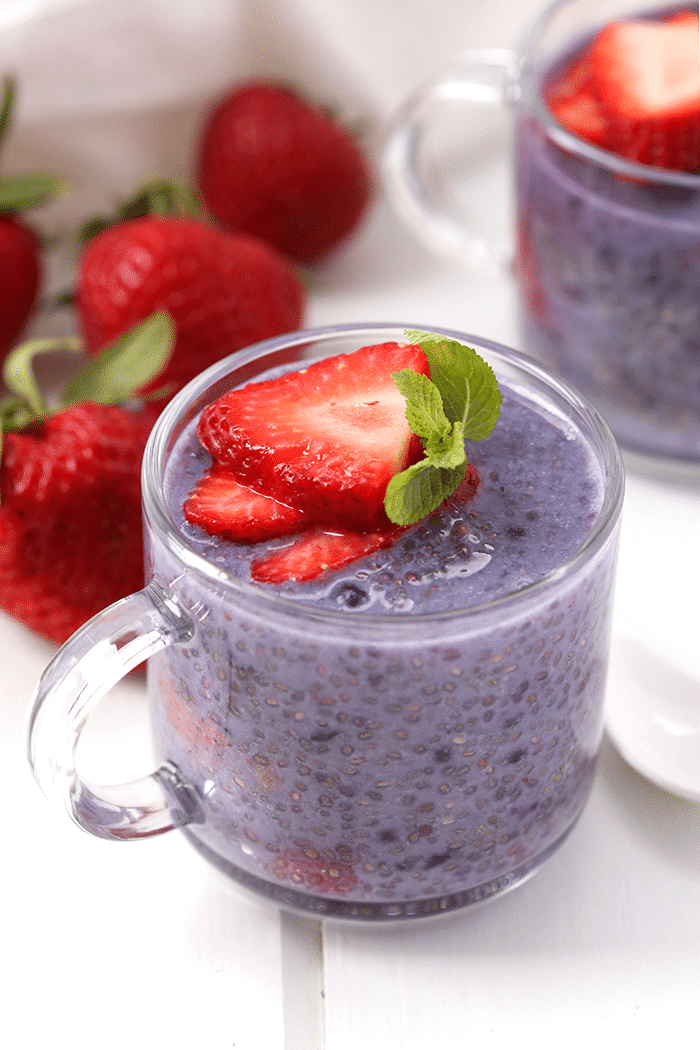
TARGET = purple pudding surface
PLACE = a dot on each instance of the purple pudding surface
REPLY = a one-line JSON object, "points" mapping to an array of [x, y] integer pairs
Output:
{"points": [[610, 271], [515, 531], [369, 751]]}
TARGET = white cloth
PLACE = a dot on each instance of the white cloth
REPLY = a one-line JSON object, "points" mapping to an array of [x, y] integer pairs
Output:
{"points": [[111, 92]]}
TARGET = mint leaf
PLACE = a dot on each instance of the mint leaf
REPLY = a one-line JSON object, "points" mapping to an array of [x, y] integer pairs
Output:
{"points": [[466, 382], [446, 451], [461, 401], [419, 490], [424, 410]]}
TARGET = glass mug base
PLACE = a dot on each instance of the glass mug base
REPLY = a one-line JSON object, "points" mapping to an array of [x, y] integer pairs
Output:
{"points": [[352, 910], [365, 764]]}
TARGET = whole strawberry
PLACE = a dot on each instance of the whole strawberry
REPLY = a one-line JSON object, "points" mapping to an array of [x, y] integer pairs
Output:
{"points": [[223, 291], [20, 253], [272, 164], [70, 510]]}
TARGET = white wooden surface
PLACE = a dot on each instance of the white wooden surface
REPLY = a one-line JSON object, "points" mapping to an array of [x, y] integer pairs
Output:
{"points": [[135, 945]]}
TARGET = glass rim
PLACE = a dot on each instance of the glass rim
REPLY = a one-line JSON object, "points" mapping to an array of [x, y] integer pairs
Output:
{"points": [[525, 71], [180, 410]]}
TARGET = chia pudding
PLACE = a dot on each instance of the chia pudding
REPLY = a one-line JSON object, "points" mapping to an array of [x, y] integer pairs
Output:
{"points": [[610, 270], [363, 748]]}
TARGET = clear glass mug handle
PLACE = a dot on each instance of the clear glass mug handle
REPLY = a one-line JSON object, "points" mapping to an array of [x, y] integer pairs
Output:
{"points": [[477, 78], [93, 660]]}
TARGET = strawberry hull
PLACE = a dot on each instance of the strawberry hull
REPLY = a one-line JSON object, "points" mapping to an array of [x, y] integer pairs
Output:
{"points": [[418, 730]]}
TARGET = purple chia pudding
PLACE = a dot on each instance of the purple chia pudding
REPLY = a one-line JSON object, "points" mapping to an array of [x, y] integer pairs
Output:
{"points": [[363, 747], [609, 265]]}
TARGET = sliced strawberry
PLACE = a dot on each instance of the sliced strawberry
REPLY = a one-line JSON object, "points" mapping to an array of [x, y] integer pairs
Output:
{"points": [[326, 439], [572, 100], [314, 871], [647, 76], [469, 487], [316, 552], [222, 506]]}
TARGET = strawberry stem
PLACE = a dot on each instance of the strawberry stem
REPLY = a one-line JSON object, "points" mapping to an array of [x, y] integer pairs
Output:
{"points": [[6, 106], [156, 197], [18, 192]]}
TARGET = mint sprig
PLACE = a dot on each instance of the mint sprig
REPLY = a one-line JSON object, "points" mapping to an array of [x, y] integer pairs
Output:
{"points": [[461, 401]]}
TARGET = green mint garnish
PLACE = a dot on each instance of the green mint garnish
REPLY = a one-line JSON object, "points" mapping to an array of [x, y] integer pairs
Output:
{"points": [[461, 401]]}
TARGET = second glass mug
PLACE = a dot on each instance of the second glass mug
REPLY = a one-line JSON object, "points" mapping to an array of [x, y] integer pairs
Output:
{"points": [[607, 252], [243, 686]]}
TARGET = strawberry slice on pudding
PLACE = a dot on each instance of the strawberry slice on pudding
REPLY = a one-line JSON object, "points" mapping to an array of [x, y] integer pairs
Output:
{"points": [[635, 91], [222, 506], [647, 75], [326, 439]]}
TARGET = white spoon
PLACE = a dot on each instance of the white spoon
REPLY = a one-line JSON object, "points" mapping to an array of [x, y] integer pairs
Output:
{"points": [[653, 710]]}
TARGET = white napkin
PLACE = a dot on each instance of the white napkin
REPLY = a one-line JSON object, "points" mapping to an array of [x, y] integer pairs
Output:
{"points": [[113, 91]]}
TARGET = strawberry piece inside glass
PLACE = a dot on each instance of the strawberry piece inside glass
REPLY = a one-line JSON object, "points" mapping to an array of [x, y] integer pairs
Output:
{"points": [[609, 264]]}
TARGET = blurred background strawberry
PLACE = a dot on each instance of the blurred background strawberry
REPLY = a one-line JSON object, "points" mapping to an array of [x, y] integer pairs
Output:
{"points": [[70, 481], [273, 164], [224, 291], [21, 267]]}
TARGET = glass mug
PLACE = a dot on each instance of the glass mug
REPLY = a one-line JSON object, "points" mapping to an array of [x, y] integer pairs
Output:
{"points": [[607, 256], [262, 714]]}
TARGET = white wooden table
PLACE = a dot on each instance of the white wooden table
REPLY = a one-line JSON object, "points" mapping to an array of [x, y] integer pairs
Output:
{"points": [[135, 945]]}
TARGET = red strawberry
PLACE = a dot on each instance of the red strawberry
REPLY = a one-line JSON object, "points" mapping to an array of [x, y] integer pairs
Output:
{"points": [[223, 291], [222, 506], [636, 92], [20, 254], [326, 440], [20, 270], [314, 871], [70, 518], [204, 737], [274, 165], [315, 552], [648, 78], [70, 509], [573, 101]]}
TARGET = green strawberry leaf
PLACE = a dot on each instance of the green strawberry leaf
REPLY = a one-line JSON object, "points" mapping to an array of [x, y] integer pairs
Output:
{"points": [[18, 192], [460, 401], [111, 378], [18, 373], [6, 106], [155, 197], [14, 415], [125, 364], [164, 197]]}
